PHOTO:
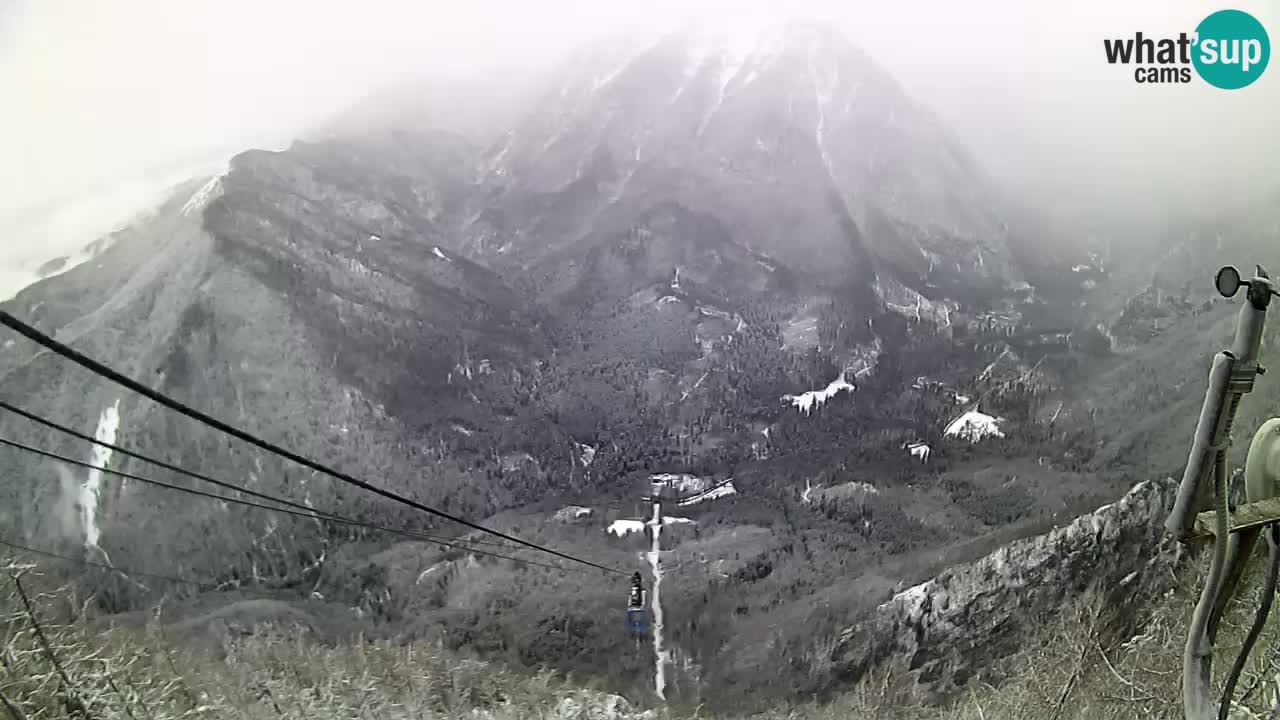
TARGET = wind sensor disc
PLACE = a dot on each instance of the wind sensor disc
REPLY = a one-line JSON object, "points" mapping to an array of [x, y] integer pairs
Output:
{"points": [[1227, 281]]}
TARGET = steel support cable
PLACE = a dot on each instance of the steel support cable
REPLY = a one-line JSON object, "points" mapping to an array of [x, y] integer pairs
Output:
{"points": [[228, 485], [98, 368], [248, 503]]}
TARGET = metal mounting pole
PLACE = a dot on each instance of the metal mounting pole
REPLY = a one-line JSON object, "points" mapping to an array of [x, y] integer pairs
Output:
{"points": [[1231, 376]]}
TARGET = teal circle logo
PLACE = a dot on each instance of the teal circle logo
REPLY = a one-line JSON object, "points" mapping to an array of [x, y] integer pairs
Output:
{"points": [[1232, 49]]}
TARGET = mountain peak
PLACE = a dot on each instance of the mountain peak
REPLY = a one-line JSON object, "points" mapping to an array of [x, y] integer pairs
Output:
{"points": [[756, 123]]}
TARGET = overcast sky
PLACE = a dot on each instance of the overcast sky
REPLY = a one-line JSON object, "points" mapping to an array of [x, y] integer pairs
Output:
{"points": [[102, 102]]}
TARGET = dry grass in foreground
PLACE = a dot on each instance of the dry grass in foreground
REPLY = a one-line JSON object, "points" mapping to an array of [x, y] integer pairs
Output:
{"points": [[56, 664]]}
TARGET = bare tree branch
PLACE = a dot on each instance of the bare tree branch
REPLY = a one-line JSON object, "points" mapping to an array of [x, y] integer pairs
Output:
{"points": [[15, 712], [74, 703]]}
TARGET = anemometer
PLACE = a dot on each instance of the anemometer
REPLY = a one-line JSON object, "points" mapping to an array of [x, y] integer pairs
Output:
{"points": [[1234, 534]]}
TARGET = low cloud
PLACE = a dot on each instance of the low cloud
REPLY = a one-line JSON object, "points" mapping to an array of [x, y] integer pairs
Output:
{"points": [[105, 102]]}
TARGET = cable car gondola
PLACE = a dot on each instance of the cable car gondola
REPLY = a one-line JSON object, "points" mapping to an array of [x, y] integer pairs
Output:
{"points": [[637, 613]]}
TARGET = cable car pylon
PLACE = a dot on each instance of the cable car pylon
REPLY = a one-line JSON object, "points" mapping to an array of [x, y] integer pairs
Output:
{"points": [[644, 609]]}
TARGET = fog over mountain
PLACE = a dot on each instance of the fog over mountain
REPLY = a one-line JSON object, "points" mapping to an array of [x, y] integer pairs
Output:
{"points": [[175, 84]]}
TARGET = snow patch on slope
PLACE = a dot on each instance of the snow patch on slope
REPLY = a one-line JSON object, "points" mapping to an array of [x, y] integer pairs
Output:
{"points": [[199, 200], [904, 301], [807, 401], [824, 87], [680, 482], [974, 426], [715, 493], [586, 454], [809, 487], [623, 528], [429, 571], [920, 451], [733, 49], [684, 395], [573, 512], [108, 424]]}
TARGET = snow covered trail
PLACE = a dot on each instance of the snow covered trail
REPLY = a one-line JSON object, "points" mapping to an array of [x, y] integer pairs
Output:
{"points": [[660, 654]]}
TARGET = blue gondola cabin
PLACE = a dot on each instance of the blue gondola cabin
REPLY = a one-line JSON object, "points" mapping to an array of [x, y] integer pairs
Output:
{"points": [[637, 614], [638, 621]]}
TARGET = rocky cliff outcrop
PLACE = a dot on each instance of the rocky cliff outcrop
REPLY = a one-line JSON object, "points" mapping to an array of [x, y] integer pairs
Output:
{"points": [[943, 631]]}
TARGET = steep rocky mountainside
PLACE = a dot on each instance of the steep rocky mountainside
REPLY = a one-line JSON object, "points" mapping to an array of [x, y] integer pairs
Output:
{"points": [[757, 273], [288, 296], [792, 137]]}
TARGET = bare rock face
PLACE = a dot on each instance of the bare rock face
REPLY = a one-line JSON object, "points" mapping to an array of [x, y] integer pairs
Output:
{"points": [[944, 630]]}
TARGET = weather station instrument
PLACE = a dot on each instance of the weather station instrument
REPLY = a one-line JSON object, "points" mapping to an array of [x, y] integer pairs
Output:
{"points": [[1203, 511]]}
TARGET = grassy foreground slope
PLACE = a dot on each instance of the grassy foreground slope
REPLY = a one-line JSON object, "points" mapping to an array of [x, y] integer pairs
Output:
{"points": [[57, 661]]}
